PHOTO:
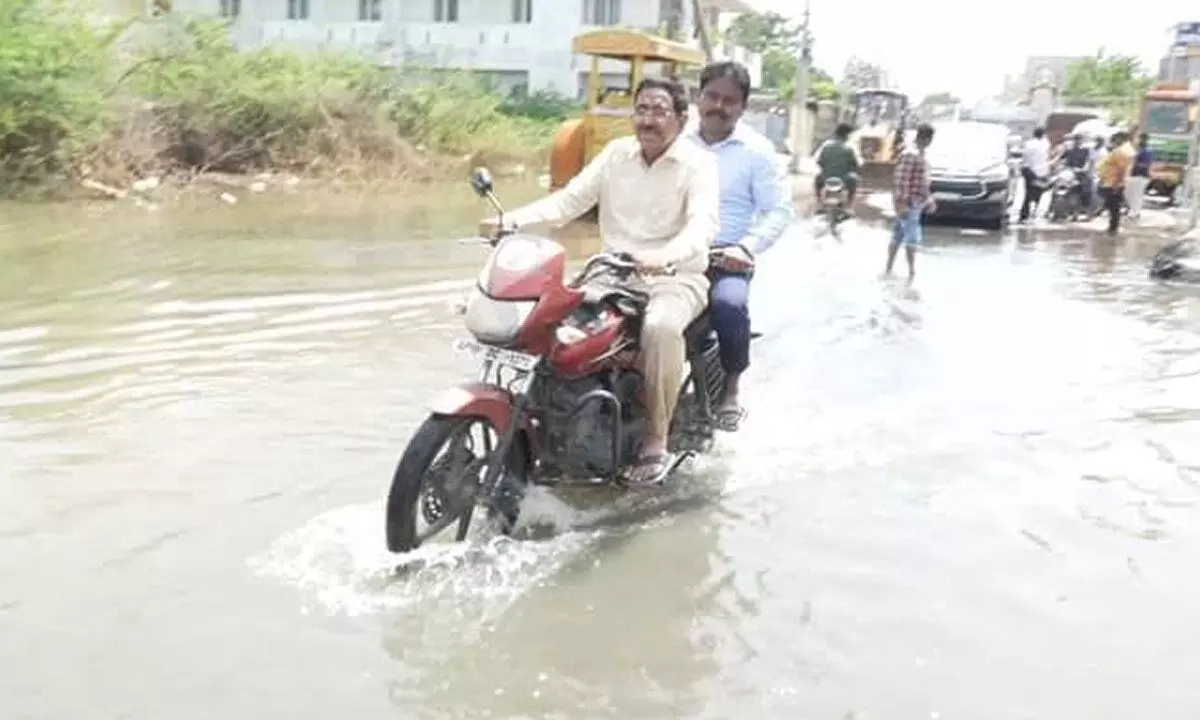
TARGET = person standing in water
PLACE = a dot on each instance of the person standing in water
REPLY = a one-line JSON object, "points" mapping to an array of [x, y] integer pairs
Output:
{"points": [[1113, 174], [756, 208], [910, 198], [1139, 177]]}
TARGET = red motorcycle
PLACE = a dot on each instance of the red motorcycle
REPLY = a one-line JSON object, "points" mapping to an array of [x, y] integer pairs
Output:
{"points": [[558, 400]]}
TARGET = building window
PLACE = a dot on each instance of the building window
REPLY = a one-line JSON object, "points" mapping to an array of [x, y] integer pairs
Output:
{"points": [[297, 9], [370, 10], [231, 8], [522, 11], [601, 12], [445, 11]]}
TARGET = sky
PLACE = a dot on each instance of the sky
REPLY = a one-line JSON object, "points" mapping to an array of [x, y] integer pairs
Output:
{"points": [[966, 48]]}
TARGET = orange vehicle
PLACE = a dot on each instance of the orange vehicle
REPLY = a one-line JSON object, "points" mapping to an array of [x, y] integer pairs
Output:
{"points": [[1168, 116], [608, 113]]}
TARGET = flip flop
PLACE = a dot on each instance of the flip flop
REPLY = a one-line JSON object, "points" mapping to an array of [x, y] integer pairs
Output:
{"points": [[650, 470], [729, 419]]}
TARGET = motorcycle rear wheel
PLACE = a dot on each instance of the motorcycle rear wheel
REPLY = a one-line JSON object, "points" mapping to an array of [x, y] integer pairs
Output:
{"points": [[412, 497]]}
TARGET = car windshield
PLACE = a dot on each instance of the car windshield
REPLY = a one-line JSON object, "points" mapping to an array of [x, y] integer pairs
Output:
{"points": [[1168, 118], [968, 147]]}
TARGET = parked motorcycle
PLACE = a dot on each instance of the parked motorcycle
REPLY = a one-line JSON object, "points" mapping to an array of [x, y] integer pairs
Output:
{"points": [[833, 201], [558, 400], [1179, 260]]}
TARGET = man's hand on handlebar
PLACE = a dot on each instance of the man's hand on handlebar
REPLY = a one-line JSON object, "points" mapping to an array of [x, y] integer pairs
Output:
{"points": [[733, 258], [490, 228]]}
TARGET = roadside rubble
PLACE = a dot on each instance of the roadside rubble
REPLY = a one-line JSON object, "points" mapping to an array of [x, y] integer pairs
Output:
{"points": [[226, 188]]}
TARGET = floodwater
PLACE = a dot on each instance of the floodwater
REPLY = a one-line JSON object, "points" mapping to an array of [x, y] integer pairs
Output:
{"points": [[976, 500]]}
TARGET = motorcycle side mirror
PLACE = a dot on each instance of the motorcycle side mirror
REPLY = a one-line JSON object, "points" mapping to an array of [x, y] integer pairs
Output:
{"points": [[481, 182]]}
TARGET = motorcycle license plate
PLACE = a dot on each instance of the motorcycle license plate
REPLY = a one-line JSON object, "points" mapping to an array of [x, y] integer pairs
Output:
{"points": [[510, 358]]}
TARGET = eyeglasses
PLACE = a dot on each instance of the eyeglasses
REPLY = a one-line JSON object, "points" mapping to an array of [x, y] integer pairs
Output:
{"points": [[658, 112]]}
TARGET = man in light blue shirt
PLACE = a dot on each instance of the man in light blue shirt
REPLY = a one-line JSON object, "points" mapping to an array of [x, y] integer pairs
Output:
{"points": [[756, 208]]}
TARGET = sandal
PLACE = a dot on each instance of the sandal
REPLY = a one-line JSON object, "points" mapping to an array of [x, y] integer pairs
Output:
{"points": [[729, 418], [650, 470]]}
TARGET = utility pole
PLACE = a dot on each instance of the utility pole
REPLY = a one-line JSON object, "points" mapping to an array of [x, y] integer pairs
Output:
{"points": [[1191, 188], [801, 136]]}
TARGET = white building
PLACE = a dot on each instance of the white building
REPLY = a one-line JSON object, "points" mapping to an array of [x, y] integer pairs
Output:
{"points": [[519, 43]]}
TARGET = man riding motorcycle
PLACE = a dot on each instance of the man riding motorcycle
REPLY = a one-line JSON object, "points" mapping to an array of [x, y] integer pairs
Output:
{"points": [[756, 208], [658, 200], [1078, 158], [838, 159]]}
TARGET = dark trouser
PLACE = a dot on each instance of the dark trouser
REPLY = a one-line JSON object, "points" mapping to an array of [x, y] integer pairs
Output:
{"points": [[1033, 193], [1085, 191], [1114, 198], [850, 183], [729, 311]]}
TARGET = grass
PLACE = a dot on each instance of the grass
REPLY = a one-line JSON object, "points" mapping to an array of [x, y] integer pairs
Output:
{"points": [[114, 102]]}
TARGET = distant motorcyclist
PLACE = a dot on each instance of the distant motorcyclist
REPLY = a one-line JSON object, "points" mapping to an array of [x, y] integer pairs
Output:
{"points": [[838, 159], [1079, 158]]}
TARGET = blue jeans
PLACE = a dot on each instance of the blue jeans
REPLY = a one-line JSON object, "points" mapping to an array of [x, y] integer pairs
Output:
{"points": [[729, 313], [906, 228]]}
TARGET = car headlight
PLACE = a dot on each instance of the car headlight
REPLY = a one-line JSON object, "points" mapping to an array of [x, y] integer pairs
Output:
{"points": [[995, 173]]}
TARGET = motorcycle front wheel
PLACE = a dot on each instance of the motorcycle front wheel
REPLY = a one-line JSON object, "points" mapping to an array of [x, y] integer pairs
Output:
{"points": [[439, 478]]}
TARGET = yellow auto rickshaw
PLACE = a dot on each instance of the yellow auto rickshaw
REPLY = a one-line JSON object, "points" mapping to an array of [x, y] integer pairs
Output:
{"points": [[609, 110]]}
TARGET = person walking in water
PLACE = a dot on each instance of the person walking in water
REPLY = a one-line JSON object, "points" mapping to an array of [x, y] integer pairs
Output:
{"points": [[910, 198], [1035, 171], [1139, 177], [1113, 174]]}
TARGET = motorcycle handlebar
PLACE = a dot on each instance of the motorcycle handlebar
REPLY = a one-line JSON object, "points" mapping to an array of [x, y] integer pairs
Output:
{"points": [[623, 264]]}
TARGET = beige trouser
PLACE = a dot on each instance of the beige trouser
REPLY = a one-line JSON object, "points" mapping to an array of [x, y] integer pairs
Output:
{"points": [[1135, 194], [675, 301]]}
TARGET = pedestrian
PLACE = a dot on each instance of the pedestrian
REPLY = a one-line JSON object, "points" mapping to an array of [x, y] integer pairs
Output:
{"points": [[910, 198], [1139, 177], [1100, 151], [1035, 170], [1113, 174]]}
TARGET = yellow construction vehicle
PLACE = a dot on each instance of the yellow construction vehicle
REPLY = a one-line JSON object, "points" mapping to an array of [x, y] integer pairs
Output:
{"points": [[609, 110], [879, 120]]}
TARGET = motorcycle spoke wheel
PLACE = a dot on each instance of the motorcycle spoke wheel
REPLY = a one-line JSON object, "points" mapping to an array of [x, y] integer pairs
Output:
{"points": [[450, 488], [438, 481]]}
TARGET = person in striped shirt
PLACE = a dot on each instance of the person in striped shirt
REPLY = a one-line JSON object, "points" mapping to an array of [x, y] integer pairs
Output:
{"points": [[910, 197]]}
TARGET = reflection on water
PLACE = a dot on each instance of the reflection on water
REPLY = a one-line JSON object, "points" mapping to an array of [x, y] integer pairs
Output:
{"points": [[973, 499]]}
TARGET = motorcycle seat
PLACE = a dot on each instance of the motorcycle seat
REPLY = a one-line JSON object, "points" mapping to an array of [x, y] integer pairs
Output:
{"points": [[628, 302]]}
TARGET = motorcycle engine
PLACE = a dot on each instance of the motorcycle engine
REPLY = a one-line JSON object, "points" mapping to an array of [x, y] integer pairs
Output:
{"points": [[579, 438]]}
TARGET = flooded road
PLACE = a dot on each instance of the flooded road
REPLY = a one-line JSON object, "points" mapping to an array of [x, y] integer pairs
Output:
{"points": [[977, 500]]}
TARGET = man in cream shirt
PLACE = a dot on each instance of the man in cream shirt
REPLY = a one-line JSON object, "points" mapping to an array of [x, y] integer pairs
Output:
{"points": [[659, 201]]}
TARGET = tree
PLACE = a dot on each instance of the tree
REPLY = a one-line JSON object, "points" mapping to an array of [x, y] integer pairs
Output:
{"points": [[1106, 80], [860, 74], [939, 99], [777, 40]]}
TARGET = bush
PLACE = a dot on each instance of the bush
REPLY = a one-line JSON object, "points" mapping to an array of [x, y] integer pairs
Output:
{"points": [[185, 98], [54, 82]]}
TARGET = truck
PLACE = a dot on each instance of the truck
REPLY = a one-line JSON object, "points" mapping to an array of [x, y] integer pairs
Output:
{"points": [[1168, 117]]}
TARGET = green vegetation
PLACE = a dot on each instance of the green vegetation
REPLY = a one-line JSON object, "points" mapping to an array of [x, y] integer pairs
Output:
{"points": [[1113, 82], [778, 41], [78, 98]]}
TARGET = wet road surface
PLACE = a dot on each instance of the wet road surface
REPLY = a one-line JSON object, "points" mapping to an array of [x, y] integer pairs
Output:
{"points": [[972, 499]]}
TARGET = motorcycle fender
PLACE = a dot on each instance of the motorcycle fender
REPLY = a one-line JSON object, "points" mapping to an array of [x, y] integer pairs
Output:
{"points": [[476, 399]]}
